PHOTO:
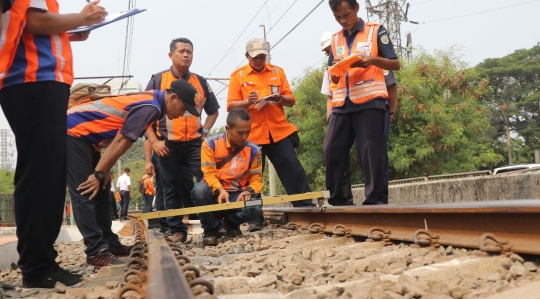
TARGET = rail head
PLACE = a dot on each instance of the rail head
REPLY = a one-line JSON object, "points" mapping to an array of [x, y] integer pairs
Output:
{"points": [[166, 279]]}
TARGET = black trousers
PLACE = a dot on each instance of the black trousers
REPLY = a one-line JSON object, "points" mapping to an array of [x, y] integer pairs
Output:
{"points": [[288, 168], [112, 203], [93, 216], [160, 201], [148, 199], [366, 129], [177, 171], [125, 198], [346, 188], [36, 113]]}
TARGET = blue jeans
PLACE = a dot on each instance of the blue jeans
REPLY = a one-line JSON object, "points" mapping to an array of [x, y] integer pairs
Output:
{"points": [[202, 195]]}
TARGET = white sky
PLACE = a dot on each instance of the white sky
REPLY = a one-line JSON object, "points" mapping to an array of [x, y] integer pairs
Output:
{"points": [[213, 26]]}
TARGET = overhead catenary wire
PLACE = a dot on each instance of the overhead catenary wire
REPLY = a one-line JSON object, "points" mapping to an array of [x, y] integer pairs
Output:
{"points": [[477, 13], [240, 35], [281, 17], [127, 46], [297, 24]]}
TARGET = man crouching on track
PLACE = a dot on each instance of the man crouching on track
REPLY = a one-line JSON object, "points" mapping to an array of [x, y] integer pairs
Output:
{"points": [[119, 121], [232, 171]]}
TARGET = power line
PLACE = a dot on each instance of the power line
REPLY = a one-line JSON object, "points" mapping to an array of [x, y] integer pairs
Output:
{"points": [[237, 38], [421, 2], [297, 24], [281, 17], [477, 13]]}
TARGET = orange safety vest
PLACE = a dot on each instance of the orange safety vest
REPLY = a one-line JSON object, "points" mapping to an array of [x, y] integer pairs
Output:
{"points": [[99, 121], [11, 34], [187, 127], [40, 57], [233, 176], [360, 84]]}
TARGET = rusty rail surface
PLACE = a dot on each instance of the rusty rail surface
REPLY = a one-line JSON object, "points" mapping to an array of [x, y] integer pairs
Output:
{"points": [[495, 226], [166, 278], [157, 268]]}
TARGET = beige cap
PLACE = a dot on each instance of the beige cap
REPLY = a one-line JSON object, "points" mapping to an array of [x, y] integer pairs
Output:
{"points": [[325, 40], [256, 46]]}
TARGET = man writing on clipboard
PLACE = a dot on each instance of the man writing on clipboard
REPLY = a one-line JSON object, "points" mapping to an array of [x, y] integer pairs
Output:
{"points": [[270, 128]]}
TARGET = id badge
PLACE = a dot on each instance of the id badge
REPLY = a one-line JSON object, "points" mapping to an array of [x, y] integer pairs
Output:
{"points": [[275, 89], [363, 48]]}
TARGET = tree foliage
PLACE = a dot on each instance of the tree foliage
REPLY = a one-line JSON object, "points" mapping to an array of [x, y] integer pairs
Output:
{"points": [[515, 100], [441, 125]]}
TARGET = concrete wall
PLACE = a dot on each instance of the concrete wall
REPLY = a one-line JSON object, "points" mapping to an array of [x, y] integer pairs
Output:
{"points": [[522, 185]]}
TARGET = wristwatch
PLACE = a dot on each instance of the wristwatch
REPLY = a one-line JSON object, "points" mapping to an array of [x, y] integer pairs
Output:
{"points": [[204, 131], [99, 174]]}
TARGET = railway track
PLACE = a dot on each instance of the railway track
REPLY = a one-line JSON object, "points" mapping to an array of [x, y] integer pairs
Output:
{"points": [[459, 251]]}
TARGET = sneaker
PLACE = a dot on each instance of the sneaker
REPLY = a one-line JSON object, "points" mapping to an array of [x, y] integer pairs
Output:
{"points": [[121, 250], [255, 227], [102, 258], [49, 280], [209, 240], [179, 237], [232, 230]]}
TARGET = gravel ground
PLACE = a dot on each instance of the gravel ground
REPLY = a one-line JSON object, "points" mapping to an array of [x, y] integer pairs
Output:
{"points": [[71, 257], [278, 263]]}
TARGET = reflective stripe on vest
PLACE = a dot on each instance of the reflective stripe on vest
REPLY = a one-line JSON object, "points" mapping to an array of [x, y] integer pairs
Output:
{"points": [[13, 22], [187, 127], [233, 176], [359, 84], [98, 122], [40, 57]]}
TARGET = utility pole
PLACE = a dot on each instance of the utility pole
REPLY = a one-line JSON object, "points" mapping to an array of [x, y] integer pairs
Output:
{"points": [[271, 169], [391, 13]]}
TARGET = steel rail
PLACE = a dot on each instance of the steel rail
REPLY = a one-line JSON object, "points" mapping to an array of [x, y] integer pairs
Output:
{"points": [[233, 205], [166, 279], [470, 225]]}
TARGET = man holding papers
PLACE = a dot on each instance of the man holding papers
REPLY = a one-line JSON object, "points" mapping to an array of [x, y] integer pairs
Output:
{"points": [[35, 76], [270, 128], [359, 103]]}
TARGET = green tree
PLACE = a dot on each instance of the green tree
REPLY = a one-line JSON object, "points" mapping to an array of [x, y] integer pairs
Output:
{"points": [[515, 101], [441, 126]]}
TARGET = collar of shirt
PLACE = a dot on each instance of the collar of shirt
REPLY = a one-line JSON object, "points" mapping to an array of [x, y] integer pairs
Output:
{"points": [[185, 77], [359, 27], [249, 69]]}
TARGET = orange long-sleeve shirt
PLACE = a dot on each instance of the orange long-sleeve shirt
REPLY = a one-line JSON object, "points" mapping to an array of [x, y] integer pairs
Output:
{"points": [[241, 172], [148, 185]]}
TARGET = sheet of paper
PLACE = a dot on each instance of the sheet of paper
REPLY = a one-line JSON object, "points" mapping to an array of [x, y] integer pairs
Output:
{"points": [[264, 101], [109, 19], [344, 66]]}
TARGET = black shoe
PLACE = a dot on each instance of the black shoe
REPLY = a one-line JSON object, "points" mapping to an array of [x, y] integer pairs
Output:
{"points": [[68, 272], [102, 258], [232, 230], [121, 250], [209, 240], [255, 227], [49, 280]]}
